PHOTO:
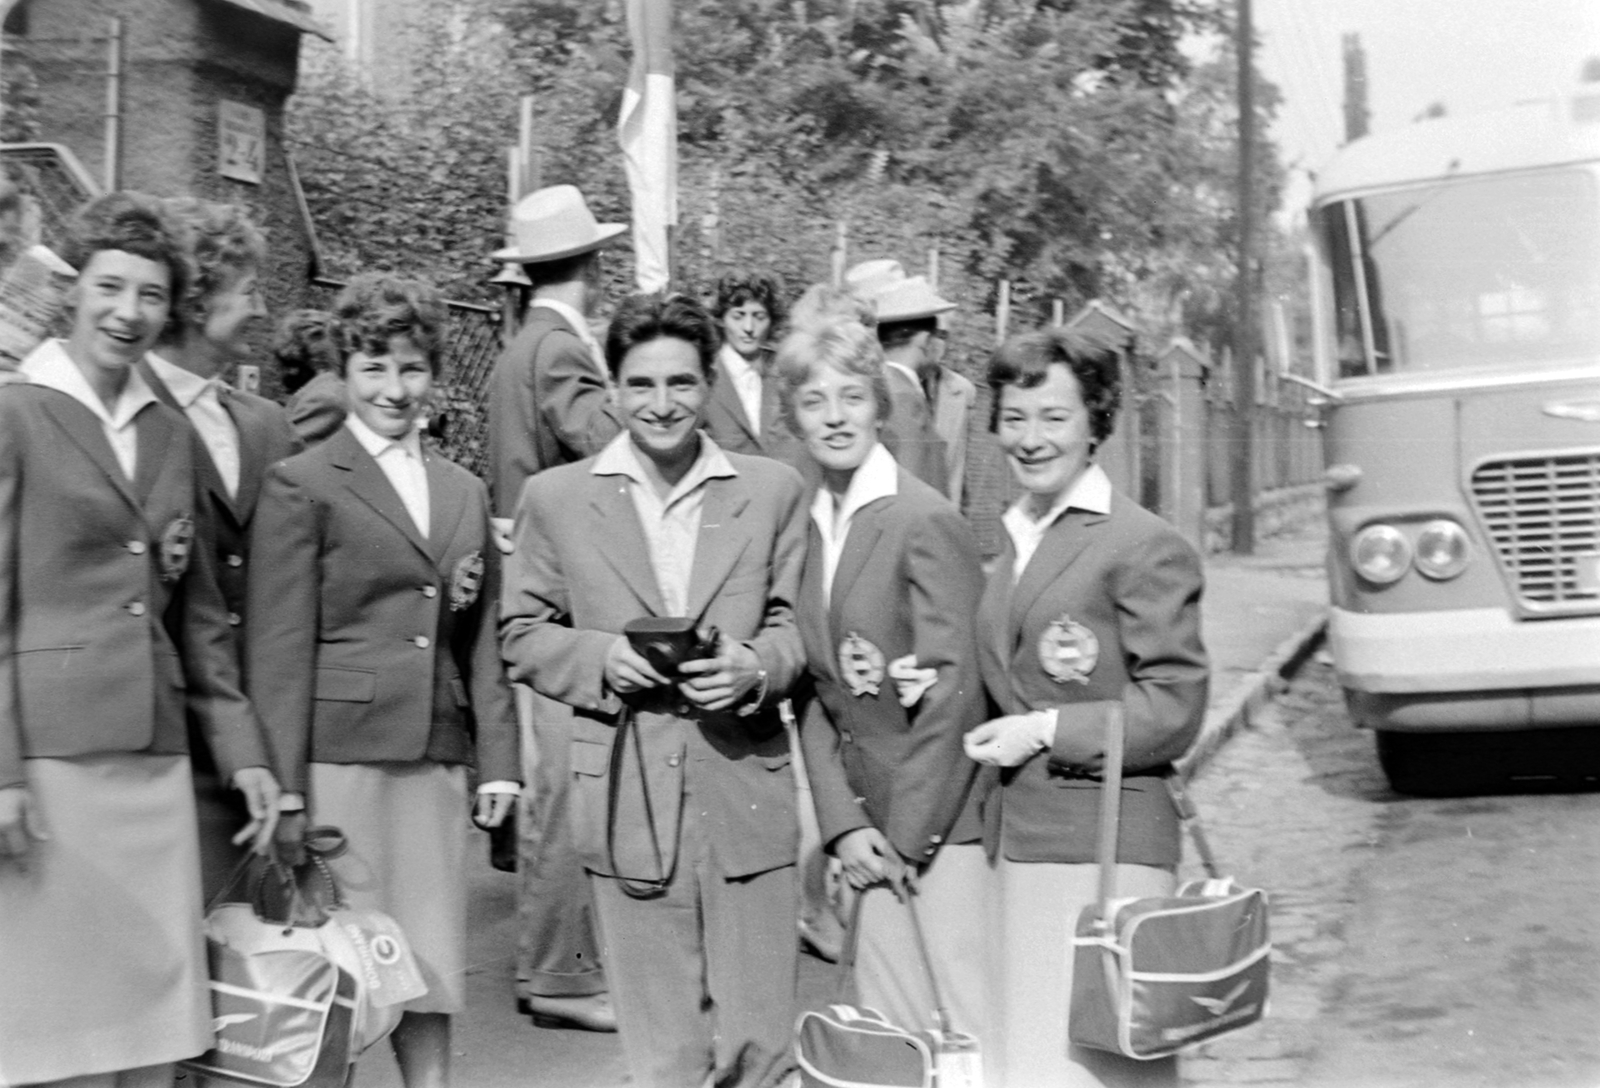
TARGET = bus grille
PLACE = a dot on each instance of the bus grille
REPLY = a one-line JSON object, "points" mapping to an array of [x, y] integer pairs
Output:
{"points": [[1543, 515]]}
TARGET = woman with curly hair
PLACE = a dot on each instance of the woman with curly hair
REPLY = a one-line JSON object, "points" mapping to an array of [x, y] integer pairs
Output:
{"points": [[373, 652], [242, 433], [111, 624]]}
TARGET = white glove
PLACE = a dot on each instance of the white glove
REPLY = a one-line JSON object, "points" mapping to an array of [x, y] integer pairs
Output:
{"points": [[910, 682], [1008, 741]]}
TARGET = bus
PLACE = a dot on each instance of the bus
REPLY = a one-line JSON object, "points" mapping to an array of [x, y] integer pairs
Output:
{"points": [[1456, 309]]}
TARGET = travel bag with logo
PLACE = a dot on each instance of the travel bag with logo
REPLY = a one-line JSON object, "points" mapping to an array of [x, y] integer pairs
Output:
{"points": [[850, 1046], [1153, 975]]}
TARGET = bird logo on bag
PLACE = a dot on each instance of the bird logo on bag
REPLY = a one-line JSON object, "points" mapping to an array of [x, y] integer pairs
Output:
{"points": [[1216, 1006]]}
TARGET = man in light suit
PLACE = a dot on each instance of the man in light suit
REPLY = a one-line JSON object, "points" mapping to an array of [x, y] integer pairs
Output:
{"points": [[951, 399], [243, 435], [683, 800], [548, 406]]}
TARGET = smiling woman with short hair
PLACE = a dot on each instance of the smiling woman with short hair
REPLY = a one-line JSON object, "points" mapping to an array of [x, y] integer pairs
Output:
{"points": [[373, 654], [111, 621]]}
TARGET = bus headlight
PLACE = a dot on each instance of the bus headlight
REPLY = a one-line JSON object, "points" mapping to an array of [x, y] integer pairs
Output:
{"points": [[1442, 549], [1380, 554]]}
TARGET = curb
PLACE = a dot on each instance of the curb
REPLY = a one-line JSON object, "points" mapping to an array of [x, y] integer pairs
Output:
{"points": [[1226, 719]]}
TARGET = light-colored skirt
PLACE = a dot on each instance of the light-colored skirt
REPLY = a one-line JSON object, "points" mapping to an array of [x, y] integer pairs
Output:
{"points": [[890, 974], [407, 825], [102, 963], [1035, 912]]}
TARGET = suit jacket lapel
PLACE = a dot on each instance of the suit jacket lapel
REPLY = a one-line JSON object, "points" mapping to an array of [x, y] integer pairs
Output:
{"points": [[446, 505], [156, 432], [1063, 542], [369, 484], [813, 615], [253, 442], [619, 538], [723, 538], [865, 529], [726, 394], [83, 427]]}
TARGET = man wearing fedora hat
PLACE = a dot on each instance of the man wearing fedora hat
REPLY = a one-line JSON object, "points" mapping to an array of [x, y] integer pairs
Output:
{"points": [[907, 308], [548, 406]]}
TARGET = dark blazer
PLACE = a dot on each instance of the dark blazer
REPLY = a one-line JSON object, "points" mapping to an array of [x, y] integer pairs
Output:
{"points": [[580, 571], [1134, 583], [317, 409], [365, 642], [729, 425], [111, 617], [910, 435], [908, 582], [265, 437], [547, 405]]}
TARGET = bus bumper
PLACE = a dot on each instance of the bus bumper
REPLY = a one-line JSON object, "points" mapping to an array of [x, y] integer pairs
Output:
{"points": [[1468, 669]]}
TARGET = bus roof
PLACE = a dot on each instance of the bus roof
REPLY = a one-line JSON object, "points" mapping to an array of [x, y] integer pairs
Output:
{"points": [[1544, 133]]}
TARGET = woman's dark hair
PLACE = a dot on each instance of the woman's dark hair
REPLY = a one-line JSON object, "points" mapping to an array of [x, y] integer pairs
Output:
{"points": [[305, 343], [643, 318], [737, 288], [1025, 360], [375, 307], [137, 224], [223, 242]]}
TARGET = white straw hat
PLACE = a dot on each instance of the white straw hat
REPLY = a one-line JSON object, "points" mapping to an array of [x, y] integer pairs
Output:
{"points": [[552, 223]]}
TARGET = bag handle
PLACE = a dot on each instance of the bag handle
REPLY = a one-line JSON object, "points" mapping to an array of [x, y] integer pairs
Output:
{"points": [[847, 958], [1110, 808], [636, 889]]}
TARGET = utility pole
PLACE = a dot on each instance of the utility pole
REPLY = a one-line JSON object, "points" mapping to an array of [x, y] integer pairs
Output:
{"points": [[1244, 332], [1357, 117]]}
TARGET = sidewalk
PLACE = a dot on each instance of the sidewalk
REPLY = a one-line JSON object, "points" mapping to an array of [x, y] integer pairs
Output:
{"points": [[1261, 615]]}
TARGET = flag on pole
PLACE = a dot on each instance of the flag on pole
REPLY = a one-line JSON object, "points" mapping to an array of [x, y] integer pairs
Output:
{"points": [[648, 131]]}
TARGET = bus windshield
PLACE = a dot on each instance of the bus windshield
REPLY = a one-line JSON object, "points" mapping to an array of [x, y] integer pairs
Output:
{"points": [[1467, 274]]}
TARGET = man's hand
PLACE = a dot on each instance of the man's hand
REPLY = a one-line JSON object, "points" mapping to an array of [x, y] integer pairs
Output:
{"points": [[1014, 739], [717, 683], [492, 809], [868, 859], [628, 671], [261, 793], [19, 823], [500, 532]]}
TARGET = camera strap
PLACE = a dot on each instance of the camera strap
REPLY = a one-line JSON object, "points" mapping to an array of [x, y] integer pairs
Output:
{"points": [[636, 888]]}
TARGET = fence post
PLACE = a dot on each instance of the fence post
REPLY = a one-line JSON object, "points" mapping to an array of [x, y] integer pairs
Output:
{"points": [[1183, 464]]}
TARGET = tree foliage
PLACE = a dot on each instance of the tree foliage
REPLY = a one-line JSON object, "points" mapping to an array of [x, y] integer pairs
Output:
{"points": [[1074, 147]]}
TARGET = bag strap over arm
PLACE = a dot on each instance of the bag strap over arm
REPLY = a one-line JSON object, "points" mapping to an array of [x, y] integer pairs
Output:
{"points": [[1110, 806]]}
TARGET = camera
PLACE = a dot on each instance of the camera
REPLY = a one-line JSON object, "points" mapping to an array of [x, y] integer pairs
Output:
{"points": [[668, 641]]}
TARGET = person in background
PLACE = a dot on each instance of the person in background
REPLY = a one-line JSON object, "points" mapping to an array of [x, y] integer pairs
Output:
{"points": [[242, 435], [906, 310], [111, 624], [743, 415], [373, 653], [952, 398], [307, 350], [892, 579], [1095, 602], [549, 406], [683, 799]]}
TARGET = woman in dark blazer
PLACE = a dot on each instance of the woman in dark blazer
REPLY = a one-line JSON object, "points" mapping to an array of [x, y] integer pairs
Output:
{"points": [[890, 585], [373, 654], [110, 621], [1095, 602]]}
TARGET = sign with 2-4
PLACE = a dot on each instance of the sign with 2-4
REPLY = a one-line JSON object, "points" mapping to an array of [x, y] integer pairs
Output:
{"points": [[241, 141]]}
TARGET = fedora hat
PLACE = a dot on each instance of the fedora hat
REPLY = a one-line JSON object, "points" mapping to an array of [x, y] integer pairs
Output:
{"points": [[894, 295], [552, 223]]}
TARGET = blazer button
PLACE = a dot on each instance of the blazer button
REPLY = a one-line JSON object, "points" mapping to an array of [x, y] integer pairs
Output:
{"points": [[136, 547], [935, 839], [233, 619], [235, 560], [847, 736], [137, 608], [422, 642], [673, 760], [430, 591]]}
